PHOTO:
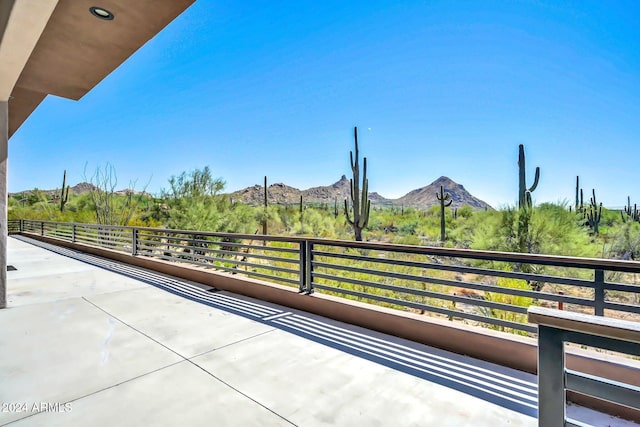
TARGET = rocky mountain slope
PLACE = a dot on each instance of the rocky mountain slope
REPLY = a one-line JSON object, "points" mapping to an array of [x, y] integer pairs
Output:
{"points": [[81, 188], [420, 198], [426, 196]]}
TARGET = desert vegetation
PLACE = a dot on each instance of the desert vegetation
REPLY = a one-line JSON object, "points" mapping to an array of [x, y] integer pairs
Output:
{"points": [[195, 200]]}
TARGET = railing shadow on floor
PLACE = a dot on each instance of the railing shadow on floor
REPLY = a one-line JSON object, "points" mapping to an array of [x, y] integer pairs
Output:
{"points": [[508, 388]]}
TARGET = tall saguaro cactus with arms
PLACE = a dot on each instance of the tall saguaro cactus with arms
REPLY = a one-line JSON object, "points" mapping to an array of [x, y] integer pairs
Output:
{"points": [[445, 200], [266, 211], [64, 192], [524, 193], [359, 197]]}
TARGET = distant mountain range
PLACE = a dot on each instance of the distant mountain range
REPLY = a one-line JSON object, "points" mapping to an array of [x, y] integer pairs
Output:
{"points": [[421, 198], [81, 188]]}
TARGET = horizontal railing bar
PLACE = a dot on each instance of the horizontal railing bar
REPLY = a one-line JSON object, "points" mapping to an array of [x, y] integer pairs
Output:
{"points": [[58, 228], [460, 284], [241, 263], [145, 239], [193, 249], [52, 229], [570, 422], [425, 293], [60, 232], [229, 269], [230, 244], [557, 260], [170, 237], [628, 308], [246, 245], [439, 310], [187, 256], [621, 287], [98, 239], [250, 264], [100, 233], [602, 388], [262, 275], [173, 246], [606, 343], [246, 254], [462, 269], [217, 234], [178, 254], [102, 238]]}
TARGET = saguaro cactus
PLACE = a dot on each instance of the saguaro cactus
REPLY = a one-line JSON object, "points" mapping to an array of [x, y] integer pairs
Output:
{"points": [[359, 198], [578, 205], [335, 208], [266, 205], [632, 214], [524, 193], [443, 203], [64, 194], [595, 214]]}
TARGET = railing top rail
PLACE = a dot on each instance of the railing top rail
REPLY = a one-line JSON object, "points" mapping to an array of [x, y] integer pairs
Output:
{"points": [[512, 257], [557, 260], [220, 234], [584, 323]]}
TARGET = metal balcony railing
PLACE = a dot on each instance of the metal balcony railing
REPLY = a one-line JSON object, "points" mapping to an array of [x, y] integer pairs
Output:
{"points": [[555, 328], [493, 289]]}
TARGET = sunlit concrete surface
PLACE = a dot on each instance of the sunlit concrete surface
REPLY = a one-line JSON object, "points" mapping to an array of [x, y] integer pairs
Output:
{"points": [[88, 341]]}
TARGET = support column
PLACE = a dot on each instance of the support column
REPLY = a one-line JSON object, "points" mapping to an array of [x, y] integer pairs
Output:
{"points": [[4, 154], [552, 398]]}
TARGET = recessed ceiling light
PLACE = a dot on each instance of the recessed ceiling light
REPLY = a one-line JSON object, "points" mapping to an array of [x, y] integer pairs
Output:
{"points": [[101, 13]]}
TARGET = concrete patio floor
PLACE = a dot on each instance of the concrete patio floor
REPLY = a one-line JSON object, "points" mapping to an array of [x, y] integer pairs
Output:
{"points": [[90, 341]]}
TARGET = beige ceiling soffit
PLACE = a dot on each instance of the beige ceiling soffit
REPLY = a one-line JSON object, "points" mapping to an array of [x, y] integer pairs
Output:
{"points": [[21, 105], [5, 11], [77, 50], [26, 22]]}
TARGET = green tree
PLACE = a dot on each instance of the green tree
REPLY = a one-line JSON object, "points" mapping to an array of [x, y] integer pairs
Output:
{"points": [[193, 202], [626, 241]]}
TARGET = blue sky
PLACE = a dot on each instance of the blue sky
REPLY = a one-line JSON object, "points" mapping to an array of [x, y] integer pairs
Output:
{"points": [[435, 87]]}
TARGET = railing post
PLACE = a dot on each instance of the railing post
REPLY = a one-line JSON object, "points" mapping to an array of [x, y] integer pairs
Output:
{"points": [[308, 269], [21, 225], [42, 228], [73, 232], [134, 241], [599, 292], [560, 303], [551, 392], [303, 266]]}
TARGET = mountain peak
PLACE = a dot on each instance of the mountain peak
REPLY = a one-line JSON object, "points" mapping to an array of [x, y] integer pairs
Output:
{"points": [[426, 196], [421, 198], [446, 182], [443, 179]]}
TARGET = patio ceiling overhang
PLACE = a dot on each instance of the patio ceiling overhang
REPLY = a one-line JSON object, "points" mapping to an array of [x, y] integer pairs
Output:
{"points": [[59, 47]]}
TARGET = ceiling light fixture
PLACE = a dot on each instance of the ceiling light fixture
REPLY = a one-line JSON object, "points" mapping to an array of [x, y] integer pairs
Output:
{"points": [[101, 13]]}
